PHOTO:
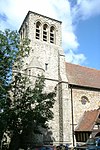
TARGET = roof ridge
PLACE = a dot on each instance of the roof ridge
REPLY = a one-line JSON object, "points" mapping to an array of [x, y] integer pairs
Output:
{"points": [[83, 66]]}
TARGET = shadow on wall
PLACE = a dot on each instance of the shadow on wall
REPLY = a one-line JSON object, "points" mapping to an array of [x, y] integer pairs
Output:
{"points": [[48, 138], [44, 137], [29, 139]]}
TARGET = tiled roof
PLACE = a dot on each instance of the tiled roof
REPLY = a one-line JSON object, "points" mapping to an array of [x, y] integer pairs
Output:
{"points": [[83, 76], [88, 120]]}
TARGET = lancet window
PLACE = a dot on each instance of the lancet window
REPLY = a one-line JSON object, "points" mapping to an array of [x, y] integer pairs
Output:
{"points": [[52, 34], [45, 33], [38, 26]]}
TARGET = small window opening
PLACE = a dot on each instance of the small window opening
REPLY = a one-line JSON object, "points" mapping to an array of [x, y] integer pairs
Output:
{"points": [[46, 66], [29, 72]]}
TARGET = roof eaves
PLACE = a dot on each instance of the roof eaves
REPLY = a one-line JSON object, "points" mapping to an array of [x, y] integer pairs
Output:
{"points": [[83, 86]]}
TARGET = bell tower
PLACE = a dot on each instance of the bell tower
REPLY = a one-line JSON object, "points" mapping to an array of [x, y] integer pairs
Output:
{"points": [[47, 57], [46, 40]]}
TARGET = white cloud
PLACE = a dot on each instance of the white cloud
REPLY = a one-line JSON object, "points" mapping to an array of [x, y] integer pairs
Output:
{"points": [[85, 9], [69, 40], [75, 58], [16, 11]]}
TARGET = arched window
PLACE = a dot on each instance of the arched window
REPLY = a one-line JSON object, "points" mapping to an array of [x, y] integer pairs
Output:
{"points": [[52, 34], [23, 33], [45, 35], [26, 30], [38, 25]]}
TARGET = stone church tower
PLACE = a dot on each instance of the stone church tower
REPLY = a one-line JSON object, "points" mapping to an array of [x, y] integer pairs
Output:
{"points": [[76, 111], [47, 57]]}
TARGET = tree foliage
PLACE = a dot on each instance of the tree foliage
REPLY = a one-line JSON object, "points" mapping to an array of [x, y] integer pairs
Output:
{"points": [[23, 108], [8, 43], [30, 107]]}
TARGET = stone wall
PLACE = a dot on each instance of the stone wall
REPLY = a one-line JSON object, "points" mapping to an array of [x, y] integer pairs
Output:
{"points": [[48, 59], [92, 102]]}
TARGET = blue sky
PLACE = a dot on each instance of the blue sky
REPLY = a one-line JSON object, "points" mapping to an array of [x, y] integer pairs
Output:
{"points": [[88, 33], [80, 25]]}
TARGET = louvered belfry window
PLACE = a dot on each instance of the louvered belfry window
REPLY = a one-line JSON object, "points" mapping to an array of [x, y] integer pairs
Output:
{"points": [[45, 35], [38, 25], [52, 34]]}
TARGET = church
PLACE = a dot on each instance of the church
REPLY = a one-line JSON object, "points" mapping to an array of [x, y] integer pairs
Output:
{"points": [[77, 107]]}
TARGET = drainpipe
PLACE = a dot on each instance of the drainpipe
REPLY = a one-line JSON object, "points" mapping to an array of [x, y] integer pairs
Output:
{"points": [[72, 115]]}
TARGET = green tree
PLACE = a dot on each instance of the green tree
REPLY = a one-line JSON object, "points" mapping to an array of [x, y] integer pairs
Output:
{"points": [[7, 56], [31, 109], [23, 108], [10, 47]]}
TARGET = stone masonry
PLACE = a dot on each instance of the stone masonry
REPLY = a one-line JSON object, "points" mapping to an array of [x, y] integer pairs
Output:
{"points": [[47, 57]]}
